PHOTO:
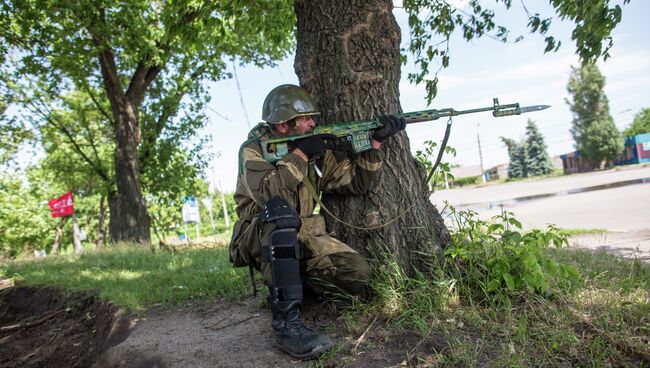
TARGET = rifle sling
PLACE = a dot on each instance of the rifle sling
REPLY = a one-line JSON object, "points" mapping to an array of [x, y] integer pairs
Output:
{"points": [[443, 145], [316, 197]]}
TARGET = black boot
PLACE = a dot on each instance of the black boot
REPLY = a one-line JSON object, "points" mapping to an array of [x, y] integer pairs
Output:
{"points": [[293, 336]]}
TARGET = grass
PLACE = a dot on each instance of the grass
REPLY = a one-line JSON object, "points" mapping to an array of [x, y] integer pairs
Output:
{"points": [[578, 231], [136, 277], [603, 322]]}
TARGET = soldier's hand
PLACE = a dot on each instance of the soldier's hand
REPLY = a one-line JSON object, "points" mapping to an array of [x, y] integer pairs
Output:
{"points": [[392, 124], [313, 146]]}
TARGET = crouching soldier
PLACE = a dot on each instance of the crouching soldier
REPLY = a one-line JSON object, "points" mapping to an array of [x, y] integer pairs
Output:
{"points": [[277, 231]]}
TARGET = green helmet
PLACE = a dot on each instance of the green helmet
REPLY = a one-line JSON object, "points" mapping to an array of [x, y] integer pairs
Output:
{"points": [[287, 102]]}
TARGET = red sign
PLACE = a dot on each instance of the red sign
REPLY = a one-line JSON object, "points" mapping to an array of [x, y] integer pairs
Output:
{"points": [[62, 206]]}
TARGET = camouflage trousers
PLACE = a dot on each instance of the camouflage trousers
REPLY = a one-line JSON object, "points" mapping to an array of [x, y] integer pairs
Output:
{"points": [[326, 263]]}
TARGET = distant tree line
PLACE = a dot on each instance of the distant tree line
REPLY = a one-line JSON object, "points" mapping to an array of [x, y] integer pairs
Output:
{"points": [[529, 157]]}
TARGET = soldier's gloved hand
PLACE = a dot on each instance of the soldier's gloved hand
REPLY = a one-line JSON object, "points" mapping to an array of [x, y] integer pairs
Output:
{"points": [[392, 125], [313, 146]]}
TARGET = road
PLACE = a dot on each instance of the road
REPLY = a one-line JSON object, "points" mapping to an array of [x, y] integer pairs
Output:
{"points": [[616, 200]]}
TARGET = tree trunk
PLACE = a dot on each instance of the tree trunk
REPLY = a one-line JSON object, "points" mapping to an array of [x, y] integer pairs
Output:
{"points": [[101, 236], [129, 218], [57, 236], [348, 58]]}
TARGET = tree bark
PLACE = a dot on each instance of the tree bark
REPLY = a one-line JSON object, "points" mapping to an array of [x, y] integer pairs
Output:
{"points": [[130, 221], [348, 58], [101, 231], [57, 236]]}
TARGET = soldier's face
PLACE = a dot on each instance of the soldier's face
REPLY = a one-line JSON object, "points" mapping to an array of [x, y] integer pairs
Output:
{"points": [[304, 125]]}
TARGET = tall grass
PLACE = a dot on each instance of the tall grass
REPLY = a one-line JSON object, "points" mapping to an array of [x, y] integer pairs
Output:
{"points": [[561, 307]]}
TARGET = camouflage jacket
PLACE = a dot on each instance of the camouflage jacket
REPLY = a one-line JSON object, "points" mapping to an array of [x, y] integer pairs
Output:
{"points": [[259, 180]]}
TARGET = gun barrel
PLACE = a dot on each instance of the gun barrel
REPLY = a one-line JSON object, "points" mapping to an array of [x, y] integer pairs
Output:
{"points": [[428, 115]]}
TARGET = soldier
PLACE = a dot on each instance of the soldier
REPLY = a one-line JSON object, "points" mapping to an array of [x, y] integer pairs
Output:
{"points": [[277, 231]]}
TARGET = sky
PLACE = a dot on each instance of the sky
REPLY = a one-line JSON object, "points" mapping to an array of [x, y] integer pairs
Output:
{"points": [[479, 71]]}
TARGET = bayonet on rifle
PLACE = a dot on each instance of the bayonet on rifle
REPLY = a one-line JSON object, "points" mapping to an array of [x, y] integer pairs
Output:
{"points": [[359, 133]]}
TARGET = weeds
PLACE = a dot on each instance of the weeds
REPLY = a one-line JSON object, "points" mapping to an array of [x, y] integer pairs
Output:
{"points": [[504, 297], [496, 261]]}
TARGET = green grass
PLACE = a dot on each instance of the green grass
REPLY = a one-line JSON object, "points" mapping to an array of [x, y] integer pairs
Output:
{"points": [[135, 277], [577, 231], [603, 322]]}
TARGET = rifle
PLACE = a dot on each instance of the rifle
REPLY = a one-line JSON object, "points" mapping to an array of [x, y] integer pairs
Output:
{"points": [[359, 133]]}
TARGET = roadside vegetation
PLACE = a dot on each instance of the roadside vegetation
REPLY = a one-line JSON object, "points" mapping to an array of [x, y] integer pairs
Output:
{"points": [[135, 277], [503, 297], [498, 296]]}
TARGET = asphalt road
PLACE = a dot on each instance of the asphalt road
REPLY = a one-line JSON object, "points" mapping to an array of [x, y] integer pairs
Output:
{"points": [[581, 201]]}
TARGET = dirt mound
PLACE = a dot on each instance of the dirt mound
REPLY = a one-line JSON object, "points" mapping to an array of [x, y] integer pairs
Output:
{"points": [[43, 327]]}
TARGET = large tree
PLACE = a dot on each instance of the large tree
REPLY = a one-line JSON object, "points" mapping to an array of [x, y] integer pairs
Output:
{"points": [[640, 124], [517, 158], [348, 57], [593, 129], [128, 49]]}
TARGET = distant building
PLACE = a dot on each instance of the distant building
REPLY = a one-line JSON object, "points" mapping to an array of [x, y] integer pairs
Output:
{"points": [[575, 162], [497, 172], [637, 150], [466, 171]]}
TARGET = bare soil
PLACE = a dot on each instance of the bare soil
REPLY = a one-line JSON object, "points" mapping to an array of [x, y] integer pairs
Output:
{"points": [[43, 327]]}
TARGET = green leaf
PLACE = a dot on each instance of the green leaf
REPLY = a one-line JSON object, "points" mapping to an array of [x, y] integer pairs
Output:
{"points": [[494, 284], [513, 221], [509, 281]]}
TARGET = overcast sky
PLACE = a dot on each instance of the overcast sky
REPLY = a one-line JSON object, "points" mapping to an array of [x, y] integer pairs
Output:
{"points": [[479, 71]]}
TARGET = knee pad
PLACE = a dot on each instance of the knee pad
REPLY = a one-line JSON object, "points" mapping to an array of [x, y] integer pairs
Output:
{"points": [[280, 249]]}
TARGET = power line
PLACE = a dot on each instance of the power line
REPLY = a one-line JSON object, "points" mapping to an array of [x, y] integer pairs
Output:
{"points": [[241, 97], [219, 114]]}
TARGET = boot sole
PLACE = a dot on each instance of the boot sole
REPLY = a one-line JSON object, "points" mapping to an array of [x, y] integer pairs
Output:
{"points": [[313, 353]]}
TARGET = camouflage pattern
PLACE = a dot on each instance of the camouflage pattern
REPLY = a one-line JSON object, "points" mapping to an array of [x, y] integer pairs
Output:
{"points": [[325, 260], [287, 102]]}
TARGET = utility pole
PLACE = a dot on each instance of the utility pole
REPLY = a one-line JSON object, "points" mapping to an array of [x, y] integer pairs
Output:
{"points": [[480, 154], [223, 201]]}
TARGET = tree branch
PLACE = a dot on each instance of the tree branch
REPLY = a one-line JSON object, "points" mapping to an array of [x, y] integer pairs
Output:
{"points": [[99, 106], [92, 143], [168, 111], [107, 63], [47, 116], [142, 78]]}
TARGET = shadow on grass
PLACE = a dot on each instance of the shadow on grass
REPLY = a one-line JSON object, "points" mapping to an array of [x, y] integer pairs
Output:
{"points": [[136, 277]]}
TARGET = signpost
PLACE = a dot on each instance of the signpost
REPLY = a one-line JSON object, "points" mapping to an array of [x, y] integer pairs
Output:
{"points": [[190, 212]]}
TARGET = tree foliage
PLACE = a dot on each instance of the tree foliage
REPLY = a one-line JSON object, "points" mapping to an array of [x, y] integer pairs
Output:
{"points": [[517, 153], [537, 161], [149, 59], [432, 23], [529, 157], [640, 124], [593, 127]]}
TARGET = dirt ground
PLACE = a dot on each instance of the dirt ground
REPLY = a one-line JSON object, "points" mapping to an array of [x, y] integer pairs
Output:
{"points": [[41, 327]]}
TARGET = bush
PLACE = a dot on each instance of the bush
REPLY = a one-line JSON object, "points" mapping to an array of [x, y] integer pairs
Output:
{"points": [[470, 180], [496, 262]]}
